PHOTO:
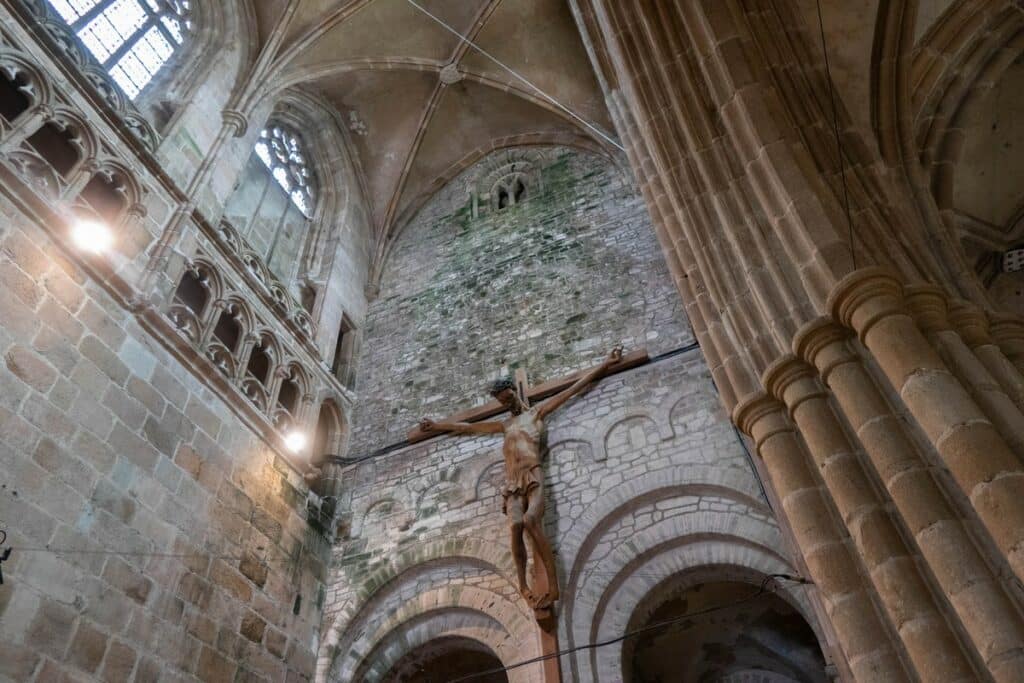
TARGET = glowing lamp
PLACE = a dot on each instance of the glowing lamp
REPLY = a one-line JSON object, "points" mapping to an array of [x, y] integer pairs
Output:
{"points": [[295, 441], [91, 236]]}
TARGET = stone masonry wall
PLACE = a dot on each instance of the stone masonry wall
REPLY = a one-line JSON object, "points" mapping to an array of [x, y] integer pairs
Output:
{"points": [[154, 536], [644, 478], [550, 284]]}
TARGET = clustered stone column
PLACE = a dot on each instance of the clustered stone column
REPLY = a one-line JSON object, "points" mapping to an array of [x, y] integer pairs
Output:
{"points": [[833, 567], [889, 414], [870, 301]]}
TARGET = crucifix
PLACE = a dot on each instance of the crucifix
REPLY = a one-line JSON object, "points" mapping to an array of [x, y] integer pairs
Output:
{"points": [[523, 495], [523, 432]]}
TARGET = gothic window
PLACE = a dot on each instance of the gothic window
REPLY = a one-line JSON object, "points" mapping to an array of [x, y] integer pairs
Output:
{"points": [[192, 292], [104, 194], [132, 39], [55, 142], [344, 352], [259, 364], [14, 95], [509, 191], [228, 331], [282, 152]]}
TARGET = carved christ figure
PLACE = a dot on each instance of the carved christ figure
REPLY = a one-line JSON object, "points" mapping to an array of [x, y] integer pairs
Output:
{"points": [[524, 492]]}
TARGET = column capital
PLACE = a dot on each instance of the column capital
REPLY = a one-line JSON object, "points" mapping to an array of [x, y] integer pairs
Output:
{"points": [[816, 335], [929, 305], [761, 416], [866, 296], [783, 372], [971, 322], [822, 342], [1006, 328], [138, 210], [235, 120]]}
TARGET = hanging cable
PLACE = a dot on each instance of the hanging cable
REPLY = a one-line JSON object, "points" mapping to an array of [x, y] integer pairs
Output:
{"points": [[645, 629], [835, 131], [597, 131]]}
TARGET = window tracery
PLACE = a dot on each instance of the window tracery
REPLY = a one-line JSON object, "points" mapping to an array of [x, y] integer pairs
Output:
{"points": [[132, 39], [282, 152]]}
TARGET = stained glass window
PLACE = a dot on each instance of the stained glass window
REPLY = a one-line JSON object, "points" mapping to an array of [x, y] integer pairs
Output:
{"points": [[281, 150], [132, 39]]}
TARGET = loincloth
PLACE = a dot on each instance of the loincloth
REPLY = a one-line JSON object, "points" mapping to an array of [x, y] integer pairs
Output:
{"points": [[521, 483]]}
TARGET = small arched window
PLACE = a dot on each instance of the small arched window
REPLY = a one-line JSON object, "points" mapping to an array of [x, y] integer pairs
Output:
{"points": [[131, 39], [281, 150]]}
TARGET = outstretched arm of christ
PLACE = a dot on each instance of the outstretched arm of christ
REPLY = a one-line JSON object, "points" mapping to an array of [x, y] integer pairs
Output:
{"points": [[559, 399], [429, 425]]}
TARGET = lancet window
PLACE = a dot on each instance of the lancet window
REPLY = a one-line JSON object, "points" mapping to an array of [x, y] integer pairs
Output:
{"points": [[282, 152], [131, 39]]}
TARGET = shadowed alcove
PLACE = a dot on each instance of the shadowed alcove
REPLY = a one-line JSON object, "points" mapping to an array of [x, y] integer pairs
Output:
{"points": [[735, 633], [444, 660]]}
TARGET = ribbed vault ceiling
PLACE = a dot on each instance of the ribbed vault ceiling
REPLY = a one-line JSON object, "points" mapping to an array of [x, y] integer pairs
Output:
{"points": [[379, 62]]}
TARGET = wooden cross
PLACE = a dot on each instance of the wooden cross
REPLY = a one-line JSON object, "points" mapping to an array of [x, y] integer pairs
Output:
{"points": [[532, 394]]}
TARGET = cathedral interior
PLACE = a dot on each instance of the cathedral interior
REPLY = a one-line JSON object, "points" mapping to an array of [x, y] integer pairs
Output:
{"points": [[528, 341]]}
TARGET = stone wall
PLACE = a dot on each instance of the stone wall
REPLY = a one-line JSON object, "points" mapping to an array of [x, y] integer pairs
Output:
{"points": [[152, 531], [549, 284], [645, 480], [645, 477]]}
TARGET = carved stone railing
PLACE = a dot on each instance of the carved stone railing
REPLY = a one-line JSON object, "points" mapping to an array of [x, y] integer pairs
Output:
{"points": [[51, 28], [265, 282]]}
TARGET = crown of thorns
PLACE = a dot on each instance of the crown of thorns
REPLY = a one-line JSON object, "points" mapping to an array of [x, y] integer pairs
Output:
{"points": [[500, 385]]}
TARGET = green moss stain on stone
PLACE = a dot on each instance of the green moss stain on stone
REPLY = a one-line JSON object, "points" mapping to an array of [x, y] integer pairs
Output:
{"points": [[546, 284]]}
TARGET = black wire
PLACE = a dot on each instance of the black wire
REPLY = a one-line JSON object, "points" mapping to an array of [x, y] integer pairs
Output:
{"points": [[753, 465], [835, 130], [629, 634]]}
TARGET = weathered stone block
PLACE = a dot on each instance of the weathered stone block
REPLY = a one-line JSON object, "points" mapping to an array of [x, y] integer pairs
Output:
{"points": [[134, 584], [104, 358], [50, 629], [253, 569], [194, 590], [17, 662], [119, 662], [30, 368], [214, 667], [87, 648], [227, 578], [253, 627], [277, 642]]}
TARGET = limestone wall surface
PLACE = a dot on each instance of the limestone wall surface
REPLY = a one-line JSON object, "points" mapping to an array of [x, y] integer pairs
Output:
{"points": [[645, 479], [154, 535], [549, 284]]}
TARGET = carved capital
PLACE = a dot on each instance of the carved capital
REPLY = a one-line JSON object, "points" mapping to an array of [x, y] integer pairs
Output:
{"points": [[783, 372], [91, 166], [816, 337], [236, 120], [793, 381], [372, 291], [971, 322], [1006, 328], [761, 416], [866, 296], [928, 304], [826, 345]]}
